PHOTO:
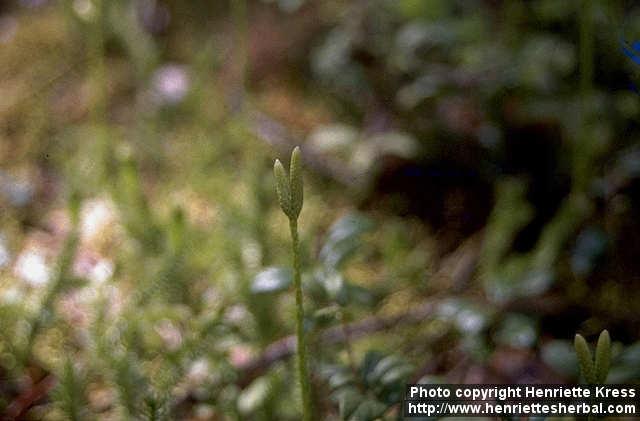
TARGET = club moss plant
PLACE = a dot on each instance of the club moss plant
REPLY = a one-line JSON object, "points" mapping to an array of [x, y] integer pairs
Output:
{"points": [[594, 372], [290, 197]]}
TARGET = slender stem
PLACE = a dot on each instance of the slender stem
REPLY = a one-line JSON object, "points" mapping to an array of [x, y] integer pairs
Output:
{"points": [[347, 340], [64, 263], [302, 350]]}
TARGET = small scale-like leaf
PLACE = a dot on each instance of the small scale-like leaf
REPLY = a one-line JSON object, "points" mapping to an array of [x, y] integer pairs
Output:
{"points": [[341, 379], [584, 359], [69, 393], [603, 357], [282, 188], [271, 280], [295, 183]]}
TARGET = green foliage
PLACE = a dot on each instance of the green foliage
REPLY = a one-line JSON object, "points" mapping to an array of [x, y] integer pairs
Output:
{"points": [[272, 280], [62, 281], [328, 283], [343, 239], [70, 393], [366, 392], [154, 409], [129, 383]]}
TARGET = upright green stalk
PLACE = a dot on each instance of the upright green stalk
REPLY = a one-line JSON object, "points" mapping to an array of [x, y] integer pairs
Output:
{"points": [[302, 343], [290, 197], [61, 281]]}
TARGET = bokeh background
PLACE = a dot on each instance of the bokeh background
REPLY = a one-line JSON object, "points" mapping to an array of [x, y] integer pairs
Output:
{"points": [[472, 200]]}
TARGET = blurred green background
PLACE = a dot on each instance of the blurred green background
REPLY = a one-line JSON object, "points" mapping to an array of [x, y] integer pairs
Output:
{"points": [[472, 193]]}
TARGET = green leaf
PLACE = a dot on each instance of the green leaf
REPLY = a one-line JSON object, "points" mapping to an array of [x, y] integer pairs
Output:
{"points": [[603, 357], [359, 295], [348, 401], [334, 283], [468, 317], [518, 331], [584, 359], [341, 379], [343, 239], [398, 374], [381, 368], [295, 184], [271, 280], [254, 396], [561, 356], [369, 363], [628, 367], [368, 410], [282, 188]]}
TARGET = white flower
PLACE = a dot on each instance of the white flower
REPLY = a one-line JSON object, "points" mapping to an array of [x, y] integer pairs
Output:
{"points": [[31, 266], [101, 271], [96, 216]]}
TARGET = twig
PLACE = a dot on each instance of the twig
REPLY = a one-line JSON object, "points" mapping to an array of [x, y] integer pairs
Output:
{"points": [[18, 408], [285, 347]]}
